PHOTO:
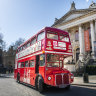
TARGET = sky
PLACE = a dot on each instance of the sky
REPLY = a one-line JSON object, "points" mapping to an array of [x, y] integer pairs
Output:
{"points": [[24, 18]]}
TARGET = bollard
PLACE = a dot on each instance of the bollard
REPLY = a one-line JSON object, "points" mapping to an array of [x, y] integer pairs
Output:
{"points": [[85, 78]]}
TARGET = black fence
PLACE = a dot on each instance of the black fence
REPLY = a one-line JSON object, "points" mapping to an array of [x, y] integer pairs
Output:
{"points": [[91, 69]]}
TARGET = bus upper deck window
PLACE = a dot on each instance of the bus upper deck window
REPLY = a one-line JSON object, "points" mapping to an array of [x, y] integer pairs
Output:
{"points": [[41, 36], [28, 44], [52, 36], [64, 38], [33, 41]]}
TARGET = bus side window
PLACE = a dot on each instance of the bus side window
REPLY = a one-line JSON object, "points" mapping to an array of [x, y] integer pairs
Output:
{"points": [[19, 65], [28, 44], [33, 41], [22, 64], [32, 63], [26, 64], [24, 46], [42, 60]]}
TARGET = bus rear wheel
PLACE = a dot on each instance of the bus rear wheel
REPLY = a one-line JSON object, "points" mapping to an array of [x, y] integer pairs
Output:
{"points": [[18, 78], [40, 84]]}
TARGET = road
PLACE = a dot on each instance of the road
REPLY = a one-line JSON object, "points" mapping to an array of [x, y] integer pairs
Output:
{"points": [[9, 87]]}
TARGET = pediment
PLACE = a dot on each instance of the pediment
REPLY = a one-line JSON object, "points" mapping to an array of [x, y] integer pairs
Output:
{"points": [[72, 16]]}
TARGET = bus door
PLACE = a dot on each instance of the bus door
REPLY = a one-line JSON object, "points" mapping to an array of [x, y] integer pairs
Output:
{"points": [[37, 64]]}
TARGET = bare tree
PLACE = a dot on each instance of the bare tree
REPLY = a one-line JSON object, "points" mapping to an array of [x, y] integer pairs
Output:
{"points": [[18, 43], [2, 42]]}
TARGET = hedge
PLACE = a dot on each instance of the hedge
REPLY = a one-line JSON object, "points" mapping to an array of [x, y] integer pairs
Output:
{"points": [[91, 69]]}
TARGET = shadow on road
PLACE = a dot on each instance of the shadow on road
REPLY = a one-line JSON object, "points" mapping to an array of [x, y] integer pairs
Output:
{"points": [[74, 91]]}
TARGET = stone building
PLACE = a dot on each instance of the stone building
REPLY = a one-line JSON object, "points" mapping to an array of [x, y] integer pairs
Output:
{"points": [[9, 58], [81, 25], [1, 61]]}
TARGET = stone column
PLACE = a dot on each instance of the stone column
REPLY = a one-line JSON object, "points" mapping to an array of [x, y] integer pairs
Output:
{"points": [[95, 29], [92, 38], [81, 42], [95, 32]]}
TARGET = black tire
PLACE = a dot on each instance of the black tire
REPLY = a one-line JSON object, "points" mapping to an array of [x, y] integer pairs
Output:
{"points": [[36, 83], [68, 87], [40, 84], [18, 78]]}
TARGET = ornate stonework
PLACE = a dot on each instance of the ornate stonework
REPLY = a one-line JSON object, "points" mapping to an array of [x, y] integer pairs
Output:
{"points": [[73, 6], [92, 5]]}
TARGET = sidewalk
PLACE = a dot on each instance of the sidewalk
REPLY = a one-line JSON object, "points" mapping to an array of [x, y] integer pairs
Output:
{"points": [[7, 75], [79, 81]]}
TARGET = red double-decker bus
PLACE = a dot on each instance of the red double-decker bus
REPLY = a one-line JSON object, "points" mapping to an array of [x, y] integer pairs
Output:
{"points": [[40, 60]]}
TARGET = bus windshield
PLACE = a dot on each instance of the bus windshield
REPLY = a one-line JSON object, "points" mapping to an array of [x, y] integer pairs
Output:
{"points": [[52, 35], [64, 38], [56, 36], [53, 60]]}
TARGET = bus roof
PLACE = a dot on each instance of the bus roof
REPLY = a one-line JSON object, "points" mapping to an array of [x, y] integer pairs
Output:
{"points": [[45, 28]]}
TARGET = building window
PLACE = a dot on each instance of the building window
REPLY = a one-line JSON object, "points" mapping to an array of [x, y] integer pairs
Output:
{"points": [[76, 36]]}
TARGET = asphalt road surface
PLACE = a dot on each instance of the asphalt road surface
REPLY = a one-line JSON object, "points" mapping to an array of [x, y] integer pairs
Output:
{"points": [[9, 87]]}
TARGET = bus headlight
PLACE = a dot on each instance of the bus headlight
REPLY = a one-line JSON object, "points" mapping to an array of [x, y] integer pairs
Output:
{"points": [[72, 77], [49, 78]]}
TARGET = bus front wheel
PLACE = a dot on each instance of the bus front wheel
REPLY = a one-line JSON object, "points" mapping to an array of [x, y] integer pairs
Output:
{"points": [[40, 84]]}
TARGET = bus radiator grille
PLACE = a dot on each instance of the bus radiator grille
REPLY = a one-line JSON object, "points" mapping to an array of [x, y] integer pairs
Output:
{"points": [[62, 79], [58, 79], [66, 79]]}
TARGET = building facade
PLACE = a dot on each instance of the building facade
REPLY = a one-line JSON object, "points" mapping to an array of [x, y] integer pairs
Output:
{"points": [[81, 25], [8, 58]]}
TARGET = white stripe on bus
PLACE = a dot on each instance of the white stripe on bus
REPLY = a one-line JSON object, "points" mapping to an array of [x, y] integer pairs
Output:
{"points": [[30, 55], [58, 52], [45, 52]]}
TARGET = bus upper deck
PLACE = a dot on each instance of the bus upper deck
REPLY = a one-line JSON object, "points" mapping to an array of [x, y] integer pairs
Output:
{"points": [[48, 40]]}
